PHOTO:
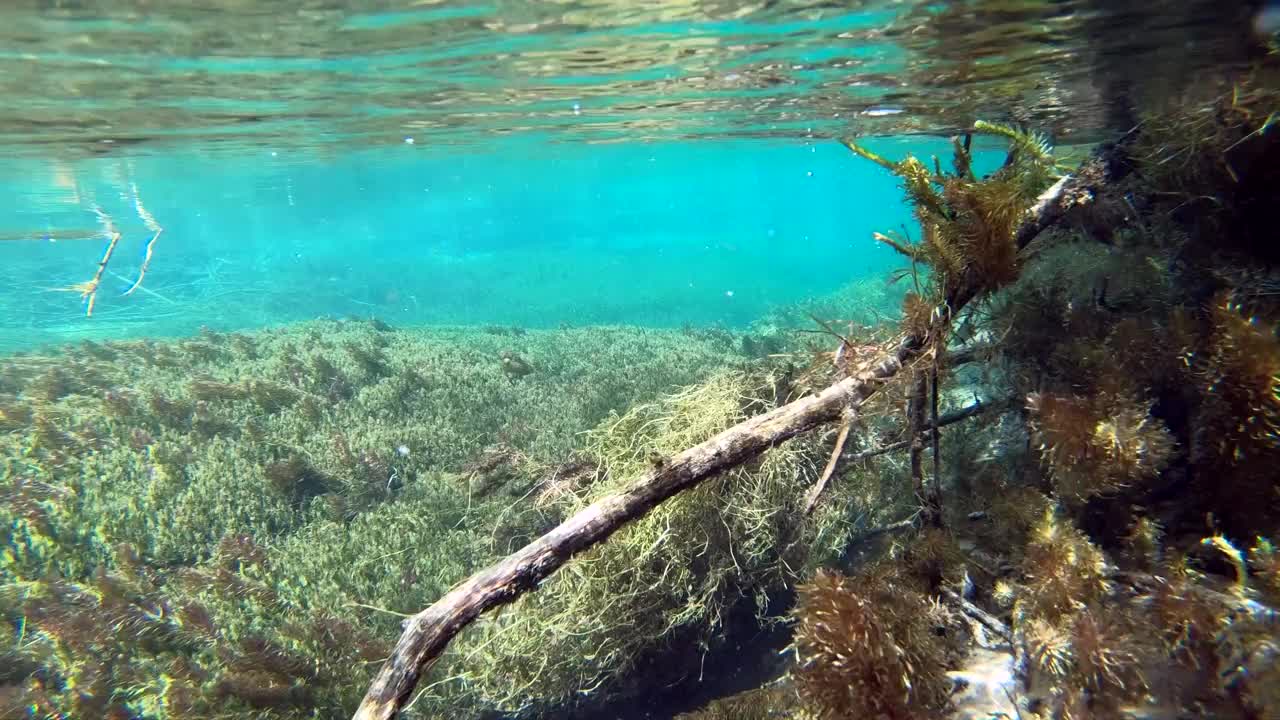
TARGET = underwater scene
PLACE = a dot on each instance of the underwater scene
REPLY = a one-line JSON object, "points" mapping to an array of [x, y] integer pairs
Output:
{"points": [[604, 359]]}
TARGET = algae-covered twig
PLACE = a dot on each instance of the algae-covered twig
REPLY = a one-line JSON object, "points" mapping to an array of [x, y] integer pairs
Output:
{"points": [[811, 498], [89, 290]]}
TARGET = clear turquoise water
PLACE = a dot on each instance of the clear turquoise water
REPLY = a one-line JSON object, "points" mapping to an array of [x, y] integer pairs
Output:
{"points": [[517, 234], [515, 163]]}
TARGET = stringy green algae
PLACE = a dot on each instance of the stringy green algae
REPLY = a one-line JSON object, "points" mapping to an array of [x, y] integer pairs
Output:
{"points": [[209, 512], [234, 524]]}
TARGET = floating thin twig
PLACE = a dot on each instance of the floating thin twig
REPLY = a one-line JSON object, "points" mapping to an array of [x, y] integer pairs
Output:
{"points": [[89, 290], [149, 220]]}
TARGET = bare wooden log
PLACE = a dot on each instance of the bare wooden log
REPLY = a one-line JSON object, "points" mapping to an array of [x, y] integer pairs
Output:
{"points": [[428, 633]]}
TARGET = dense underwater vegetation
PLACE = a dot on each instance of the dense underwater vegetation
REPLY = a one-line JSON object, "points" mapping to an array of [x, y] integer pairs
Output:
{"points": [[1041, 481]]}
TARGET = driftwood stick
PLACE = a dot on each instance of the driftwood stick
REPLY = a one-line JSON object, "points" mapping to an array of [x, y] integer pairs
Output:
{"points": [[955, 416], [915, 434], [986, 619], [950, 418], [876, 532], [935, 487], [428, 633], [966, 354], [811, 498]]}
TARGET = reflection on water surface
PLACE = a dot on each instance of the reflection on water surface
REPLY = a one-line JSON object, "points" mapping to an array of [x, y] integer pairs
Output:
{"points": [[100, 75]]}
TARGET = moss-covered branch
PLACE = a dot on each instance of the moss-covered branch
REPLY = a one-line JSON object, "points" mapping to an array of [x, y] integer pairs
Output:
{"points": [[429, 632]]}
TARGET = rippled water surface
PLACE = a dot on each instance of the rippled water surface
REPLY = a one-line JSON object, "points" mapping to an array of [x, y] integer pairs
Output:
{"points": [[83, 75], [516, 162]]}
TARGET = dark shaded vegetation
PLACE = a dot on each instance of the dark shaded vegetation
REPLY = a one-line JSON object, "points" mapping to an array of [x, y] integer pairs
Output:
{"points": [[1135, 490]]}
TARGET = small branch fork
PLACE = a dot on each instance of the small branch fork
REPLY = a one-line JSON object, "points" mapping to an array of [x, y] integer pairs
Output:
{"points": [[838, 458], [89, 290], [149, 220]]}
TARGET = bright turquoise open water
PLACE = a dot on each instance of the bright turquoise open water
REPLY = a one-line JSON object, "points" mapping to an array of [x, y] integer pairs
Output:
{"points": [[519, 233], [513, 163]]}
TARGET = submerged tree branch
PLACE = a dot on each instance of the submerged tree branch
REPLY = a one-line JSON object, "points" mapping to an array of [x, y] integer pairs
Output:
{"points": [[955, 416], [966, 354], [935, 439], [977, 408], [988, 621], [811, 498], [915, 435], [427, 633]]}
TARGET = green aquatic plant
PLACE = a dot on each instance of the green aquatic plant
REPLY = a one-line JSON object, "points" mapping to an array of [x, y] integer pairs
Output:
{"points": [[760, 704], [1228, 638], [670, 579], [1086, 318], [1239, 372], [1097, 445], [1142, 335], [1092, 664], [212, 391], [1082, 646], [1209, 155], [1062, 572], [864, 302], [14, 415], [967, 224], [868, 647], [254, 476], [1264, 561], [933, 558], [917, 312], [122, 645], [1087, 638], [1234, 368], [1098, 642]]}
